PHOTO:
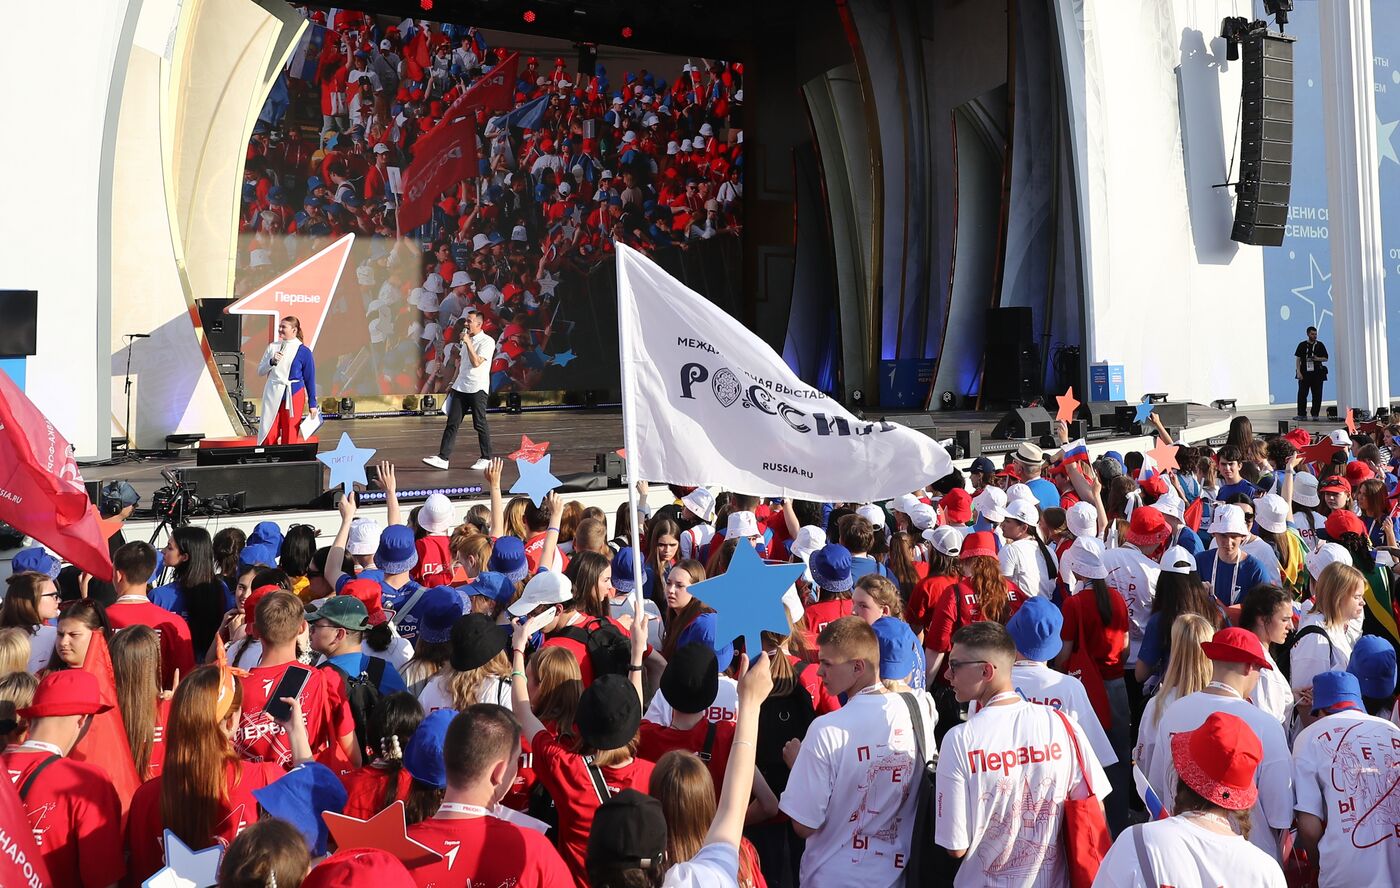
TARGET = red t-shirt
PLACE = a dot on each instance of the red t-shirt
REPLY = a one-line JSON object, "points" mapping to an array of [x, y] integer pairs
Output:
{"points": [[822, 702], [434, 566], [577, 648], [958, 607], [145, 827], [922, 601], [76, 818], [657, 740], [518, 796], [566, 778], [323, 704], [157, 760], [365, 788], [534, 551], [489, 852], [816, 616], [1107, 645], [176, 648]]}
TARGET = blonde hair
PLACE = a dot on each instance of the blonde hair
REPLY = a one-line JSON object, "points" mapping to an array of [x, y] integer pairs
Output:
{"points": [[1188, 667], [462, 688], [515, 518], [14, 650], [560, 687], [16, 692], [1331, 590], [883, 592]]}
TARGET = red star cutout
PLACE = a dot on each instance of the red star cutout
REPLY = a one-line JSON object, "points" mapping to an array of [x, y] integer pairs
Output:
{"points": [[1321, 452], [1164, 454], [1351, 420], [387, 831], [622, 452], [529, 450], [1068, 405]]}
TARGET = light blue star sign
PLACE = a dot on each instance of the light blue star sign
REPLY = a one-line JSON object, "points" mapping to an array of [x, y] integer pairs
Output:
{"points": [[347, 463], [748, 598], [535, 481], [1144, 410], [184, 867]]}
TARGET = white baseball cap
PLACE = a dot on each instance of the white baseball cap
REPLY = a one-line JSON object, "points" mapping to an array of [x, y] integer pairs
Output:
{"points": [[793, 603], [1327, 554], [1340, 437], [381, 148], [1271, 513], [741, 524], [518, 233], [364, 536], [436, 514], [701, 503], [923, 515], [1023, 511], [905, 503], [809, 539], [550, 587], [565, 188], [1177, 560], [1020, 492], [945, 539], [1082, 519], [874, 514]]}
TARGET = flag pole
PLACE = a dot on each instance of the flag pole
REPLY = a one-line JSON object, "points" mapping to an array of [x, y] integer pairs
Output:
{"points": [[629, 426]]}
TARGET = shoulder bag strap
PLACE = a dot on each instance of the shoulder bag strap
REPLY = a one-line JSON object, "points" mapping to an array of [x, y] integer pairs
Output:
{"points": [[706, 751], [408, 606], [34, 775], [917, 718], [600, 786], [1149, 875], [1074, 741]]}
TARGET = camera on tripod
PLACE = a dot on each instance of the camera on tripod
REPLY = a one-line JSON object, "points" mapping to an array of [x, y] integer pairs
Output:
{"points": [[175, 502]]}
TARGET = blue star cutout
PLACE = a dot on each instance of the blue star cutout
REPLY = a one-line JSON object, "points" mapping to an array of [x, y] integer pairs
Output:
{"points": [[535, 481], [563, 358], [347, 463], [1144, 410], [199, 868], [748, 598]]}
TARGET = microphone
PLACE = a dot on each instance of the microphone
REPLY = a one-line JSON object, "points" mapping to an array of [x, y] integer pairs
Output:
{"points": [[138, 335]]}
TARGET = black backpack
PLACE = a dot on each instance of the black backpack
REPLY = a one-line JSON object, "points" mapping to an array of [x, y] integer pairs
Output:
{"points": [[781, 719], [1285, 662], [609, 651], [363, 693]]}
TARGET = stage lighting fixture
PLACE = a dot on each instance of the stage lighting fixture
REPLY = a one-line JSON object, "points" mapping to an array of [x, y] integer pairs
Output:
{"points": [[410, 403], [513, 403], [948, 401], [1233, 30], [626, 32], [425, 5], [590, 399], [1279, 9], [249, 408], [1224, 404], [347, 406], [1332, 412], [529, 16], [1155, 397], [429, 404]]}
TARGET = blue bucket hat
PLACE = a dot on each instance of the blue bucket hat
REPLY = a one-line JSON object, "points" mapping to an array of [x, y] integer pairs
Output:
{"points": [[831, 568], [423, 755], [259, 553], [396, 553], [301, 797], [624, 577], [495, 586], [35, 560], [266, 533], [1373, 664], [508, 557], [440, 608], [898, 648], [1036, 629], [1335, 691]]}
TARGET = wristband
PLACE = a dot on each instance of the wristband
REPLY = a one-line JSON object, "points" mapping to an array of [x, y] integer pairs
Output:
{"points": [[552, 530], [516, 672], [637, 668]]}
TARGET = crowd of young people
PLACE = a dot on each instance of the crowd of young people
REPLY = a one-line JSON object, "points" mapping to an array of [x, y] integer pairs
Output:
{"points": [[970, 674]]}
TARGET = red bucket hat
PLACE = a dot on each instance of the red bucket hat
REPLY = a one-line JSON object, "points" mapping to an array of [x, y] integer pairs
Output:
{"points": [[1147, 528], [1299, 438], [983, 542], [1235, 645], [1358, 472], [1219, 760], [371, 595], [957, 506]]}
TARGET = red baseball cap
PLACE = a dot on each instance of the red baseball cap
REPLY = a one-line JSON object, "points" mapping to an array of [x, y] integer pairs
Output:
{"points": [[957, 506], [371, 595], [67, 692], [1219, 760], [1334, 483], [250, 606], [1343, 521], [360, 868], [1357, 472], [1235, 645], [983, 542]]}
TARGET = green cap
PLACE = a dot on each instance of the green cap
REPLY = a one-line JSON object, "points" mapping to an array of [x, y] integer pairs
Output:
{"points": [[345, 611]]}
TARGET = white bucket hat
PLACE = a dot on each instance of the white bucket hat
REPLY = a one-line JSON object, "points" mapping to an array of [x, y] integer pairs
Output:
{"points": [[436, 514], [1271, 513], [364, 536], [701, 503], [741, 524], [1229, 519], [874, 514], [1170, 505], [991, 504], [1083, 561], [809, 539], [1305, 490], [1326, 554], [1020, 492], [1082, 519]]}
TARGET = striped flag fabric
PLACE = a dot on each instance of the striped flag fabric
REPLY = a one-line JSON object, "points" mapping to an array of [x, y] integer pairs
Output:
{"points": [[1075, 451], [1155, 808]]}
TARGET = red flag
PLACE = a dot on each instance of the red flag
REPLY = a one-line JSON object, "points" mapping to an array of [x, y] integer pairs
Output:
{"points": [[444, 157], [41, 489], [21, 863], [493, 91], [1194, 513], [105, 744]]}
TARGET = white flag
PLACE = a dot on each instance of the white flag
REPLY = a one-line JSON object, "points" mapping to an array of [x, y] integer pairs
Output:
{"points": [[705, 401]]}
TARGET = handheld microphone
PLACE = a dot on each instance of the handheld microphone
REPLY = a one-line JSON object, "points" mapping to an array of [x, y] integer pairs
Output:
{"points": [[138, 336]]}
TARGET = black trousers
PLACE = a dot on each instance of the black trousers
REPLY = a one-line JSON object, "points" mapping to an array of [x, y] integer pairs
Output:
{"points": [[458, 403], [1310, 383]]}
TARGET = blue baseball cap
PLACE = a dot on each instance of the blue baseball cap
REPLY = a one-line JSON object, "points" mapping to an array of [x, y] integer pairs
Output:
{"points": [[396, 553], [898, 644], [624, 577], [983, 465], [423, 755], [1036, 629], [35, 560], [1373, 664], [508, 557], [439, 608], [1335, 691], [301, 797], [831, 568]]}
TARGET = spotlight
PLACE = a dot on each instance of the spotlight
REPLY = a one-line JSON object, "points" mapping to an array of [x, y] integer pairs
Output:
{"points": [[626, 32], [410, 403], [347, 407], [429, 404], [425, 5], [1224, 404], [1233, 30], [513, 403], [1332, 412], [1155, 397], [948, 401], [249, 408], [529, 16], [590, 399]]}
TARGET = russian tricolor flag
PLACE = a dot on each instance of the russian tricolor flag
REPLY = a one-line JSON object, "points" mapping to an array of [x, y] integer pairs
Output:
{"points": [[1155, 808], [1075, 451]]}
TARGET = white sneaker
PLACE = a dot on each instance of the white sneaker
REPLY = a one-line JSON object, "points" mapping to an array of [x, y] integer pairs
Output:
{"points": [[436, 462], [478, 466]]}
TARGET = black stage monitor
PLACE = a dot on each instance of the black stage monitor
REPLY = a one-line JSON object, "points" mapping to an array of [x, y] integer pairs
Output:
{"points": [[19, 323]]}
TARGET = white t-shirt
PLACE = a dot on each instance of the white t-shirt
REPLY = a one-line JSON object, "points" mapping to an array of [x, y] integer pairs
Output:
{"points": [[1312, 653], [1022, 563], [624, 607], [1185, 855], [1038, 683], [694, 540], [1264, 552], [41, 647], [491, 690], [476, 379], [399, 652], [1307, 525], [1345, 768], [1003, 777], [1274, 808], [1272, 694], [724, 709], [713, 866], [1147, 731], [1134, 575], [855, 781]]}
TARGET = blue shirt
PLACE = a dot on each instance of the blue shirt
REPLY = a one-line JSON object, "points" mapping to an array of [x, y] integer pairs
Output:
{"points": [[1156, 645], [172, 597], [371, 573], [864, 564], [392, 599], [353, 664], [1231, 581], [1046, 492], [1228, 490]]}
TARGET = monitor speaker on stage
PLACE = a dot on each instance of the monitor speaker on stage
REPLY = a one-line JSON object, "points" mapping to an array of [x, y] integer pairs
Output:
{"points": [[1266, 139], [1024, 422], [970, 440], [223, 332], [289, 485]]}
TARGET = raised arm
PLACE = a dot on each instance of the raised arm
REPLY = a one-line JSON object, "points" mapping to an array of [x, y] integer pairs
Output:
{"points": [[519, 688], [554, 503], [389, 482], [636, 663], [498, 510], [335, 558], [755, 683]]}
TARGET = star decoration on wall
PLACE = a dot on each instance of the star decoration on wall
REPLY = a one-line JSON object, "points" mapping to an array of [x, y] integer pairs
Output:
{"points": [[535, 481], [347, 464], [563, 358], [748, 598], [530, 451], [547, 282]]}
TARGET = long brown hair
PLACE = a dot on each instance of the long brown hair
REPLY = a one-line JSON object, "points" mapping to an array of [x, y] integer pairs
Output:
{"points": [[584, 570], [1187, 799], [193, 789], [136, 667], [993, 594], [560, 687], [902, 561], [677, 620], [659, 528], [686, 791], [20, 608]]}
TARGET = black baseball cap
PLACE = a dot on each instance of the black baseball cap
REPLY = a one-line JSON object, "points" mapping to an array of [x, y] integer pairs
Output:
{"points": [[629, 830]]}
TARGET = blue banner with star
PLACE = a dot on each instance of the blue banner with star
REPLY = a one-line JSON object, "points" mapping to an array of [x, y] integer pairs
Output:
{"points": [[1298, 274]]}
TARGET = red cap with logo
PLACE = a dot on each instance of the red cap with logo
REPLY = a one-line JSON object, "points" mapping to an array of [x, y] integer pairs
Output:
{"points": [[1343, 521], [360, 868]]}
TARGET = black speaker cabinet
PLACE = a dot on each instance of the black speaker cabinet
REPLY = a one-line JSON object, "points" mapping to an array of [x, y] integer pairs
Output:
{"points": [[223, 332], [1266, 139], [1024, 422], [289, 485]]}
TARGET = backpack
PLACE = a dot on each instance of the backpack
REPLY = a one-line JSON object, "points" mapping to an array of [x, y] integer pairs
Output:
{"points": [[1285, 662], [362, 691], [780, 719], [609, 651], [929, 865]]}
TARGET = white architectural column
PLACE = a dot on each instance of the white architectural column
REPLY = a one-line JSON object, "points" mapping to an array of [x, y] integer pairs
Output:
{"points": [[1360, 365]]}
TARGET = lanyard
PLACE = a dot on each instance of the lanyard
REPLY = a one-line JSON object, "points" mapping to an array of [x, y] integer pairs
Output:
{"points": [[34, 746], [1221, 686], [463, 808], [998, 698], [1234, 575]]}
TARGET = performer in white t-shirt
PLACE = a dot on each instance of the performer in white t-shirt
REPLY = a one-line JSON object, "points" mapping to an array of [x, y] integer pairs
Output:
{"points": [[1236, 659], [854, 782], [1004, 774], [1199, 846], [468, 393], [1346, 772]]}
